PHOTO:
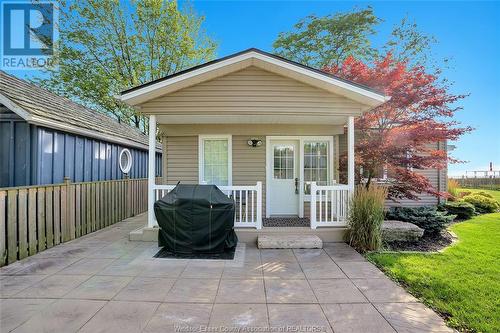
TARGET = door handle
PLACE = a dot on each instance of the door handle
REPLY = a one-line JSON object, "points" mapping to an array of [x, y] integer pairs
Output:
{"points": [[296, 186]]}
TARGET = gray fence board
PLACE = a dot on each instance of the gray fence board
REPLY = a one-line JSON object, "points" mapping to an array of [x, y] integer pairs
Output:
{"points": [[3, 238], [40, 220], [22, 223], [11, 226], [32, 227], [49, 215], [3, 210], [33, 218]]}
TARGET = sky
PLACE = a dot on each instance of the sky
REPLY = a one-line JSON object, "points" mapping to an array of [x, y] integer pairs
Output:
{"points": [[467, 32]]}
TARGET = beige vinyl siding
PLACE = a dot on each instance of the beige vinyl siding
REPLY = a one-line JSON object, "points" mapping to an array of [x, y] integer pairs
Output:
{"points": [[180, 159], [307, 209], [425, 199], [437, 178], [250, 130], [249, 164], [251, 91], [444, 172]]}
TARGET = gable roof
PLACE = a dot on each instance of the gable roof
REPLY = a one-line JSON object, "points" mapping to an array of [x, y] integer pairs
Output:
{"points": [[253, 57], [41, 107]]}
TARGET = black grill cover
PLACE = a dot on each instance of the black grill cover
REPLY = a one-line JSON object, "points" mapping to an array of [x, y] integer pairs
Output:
{"points": [[196, 219]]}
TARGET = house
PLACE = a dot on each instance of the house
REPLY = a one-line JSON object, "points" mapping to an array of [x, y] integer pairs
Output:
{"points": [[266, 130], [45, 138]]}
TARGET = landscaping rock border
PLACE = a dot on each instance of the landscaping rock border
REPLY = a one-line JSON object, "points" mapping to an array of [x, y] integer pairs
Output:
{"points": [[398, 231]]}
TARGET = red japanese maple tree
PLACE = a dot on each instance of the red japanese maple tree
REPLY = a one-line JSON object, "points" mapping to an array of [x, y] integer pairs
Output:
{"points": [[407, 133]]}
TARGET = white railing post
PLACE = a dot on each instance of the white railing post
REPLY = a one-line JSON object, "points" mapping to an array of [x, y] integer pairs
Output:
{"points": [[151, 171], [313, 205], [350, 154], [259, 205]]}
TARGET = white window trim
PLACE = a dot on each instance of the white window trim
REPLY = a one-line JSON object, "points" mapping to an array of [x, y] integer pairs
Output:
{"points": [[125, 169], [201, 157]]}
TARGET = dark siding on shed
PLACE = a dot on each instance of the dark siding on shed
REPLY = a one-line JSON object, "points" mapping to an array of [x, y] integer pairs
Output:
{"points": [[16, 144], [31, 155]]}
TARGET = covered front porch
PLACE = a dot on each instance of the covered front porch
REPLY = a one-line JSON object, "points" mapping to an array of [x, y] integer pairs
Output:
{"points": [[268, 132], [284, 193]]}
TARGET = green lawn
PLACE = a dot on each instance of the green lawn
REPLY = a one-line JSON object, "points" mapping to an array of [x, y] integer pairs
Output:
{"points": [[495, 194], [462, 282]]}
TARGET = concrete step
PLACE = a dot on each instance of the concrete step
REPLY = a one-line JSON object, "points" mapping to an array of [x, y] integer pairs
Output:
{"points": [[249, 235], [289, 242], [144, 234]]}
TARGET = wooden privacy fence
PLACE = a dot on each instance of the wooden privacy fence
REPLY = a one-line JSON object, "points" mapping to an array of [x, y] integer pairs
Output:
{"points": [[35, 218]]}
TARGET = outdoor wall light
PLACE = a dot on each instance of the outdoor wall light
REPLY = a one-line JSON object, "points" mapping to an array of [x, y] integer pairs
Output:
{"points": [[254, 142]]}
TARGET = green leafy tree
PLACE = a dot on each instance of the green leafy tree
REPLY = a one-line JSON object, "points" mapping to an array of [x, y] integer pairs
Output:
{"points": [[108, 46], [408, 44], [329, 40]]}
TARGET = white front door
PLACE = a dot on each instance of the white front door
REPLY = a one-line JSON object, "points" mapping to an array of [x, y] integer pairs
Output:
{"points": [[283, 185]]}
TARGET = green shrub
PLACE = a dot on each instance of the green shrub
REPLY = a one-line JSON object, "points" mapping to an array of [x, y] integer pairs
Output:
{"points": [[427, 218], [482, 203], [366, 215], [484, 194], [463, 210]]}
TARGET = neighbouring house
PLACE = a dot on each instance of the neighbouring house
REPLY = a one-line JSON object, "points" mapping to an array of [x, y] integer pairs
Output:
{"points": [[266, 130], [45, 138]]}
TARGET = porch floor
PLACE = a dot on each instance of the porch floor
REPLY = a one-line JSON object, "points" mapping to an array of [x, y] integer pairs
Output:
{"points": [[104, 282]]}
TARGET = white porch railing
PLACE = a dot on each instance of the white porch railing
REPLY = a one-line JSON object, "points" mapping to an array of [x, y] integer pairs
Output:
{"points": [[247, 198], [329, 205]]}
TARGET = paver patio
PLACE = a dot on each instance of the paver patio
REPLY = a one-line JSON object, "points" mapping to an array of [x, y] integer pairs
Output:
{"points": [[104, 283]]}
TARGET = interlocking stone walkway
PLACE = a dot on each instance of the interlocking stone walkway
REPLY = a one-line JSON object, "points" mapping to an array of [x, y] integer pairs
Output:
{"points": [[104, 283]]}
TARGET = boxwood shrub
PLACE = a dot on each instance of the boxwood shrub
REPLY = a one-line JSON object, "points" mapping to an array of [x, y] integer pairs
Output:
{"points": [[427, 218], [483, 204], [484, 194], [463, 210]]}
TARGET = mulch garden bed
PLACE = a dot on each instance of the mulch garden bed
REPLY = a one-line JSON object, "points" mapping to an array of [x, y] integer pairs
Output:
{"points": [[424, 244]]}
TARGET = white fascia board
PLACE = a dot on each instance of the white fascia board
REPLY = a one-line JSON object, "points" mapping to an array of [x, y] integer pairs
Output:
{"points": [[14, 107], [371, 98], [129, 97], [328, 79]]}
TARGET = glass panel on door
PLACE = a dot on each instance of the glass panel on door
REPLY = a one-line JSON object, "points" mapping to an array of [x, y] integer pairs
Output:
{"points": [[283, 162], [316, 164]]}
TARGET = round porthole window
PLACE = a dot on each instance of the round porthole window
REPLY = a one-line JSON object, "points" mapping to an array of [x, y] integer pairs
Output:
{"points": [[125, 160]]}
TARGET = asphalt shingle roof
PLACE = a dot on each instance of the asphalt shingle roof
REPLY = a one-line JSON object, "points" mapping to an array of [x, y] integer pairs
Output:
{"points": [[42, 103]]}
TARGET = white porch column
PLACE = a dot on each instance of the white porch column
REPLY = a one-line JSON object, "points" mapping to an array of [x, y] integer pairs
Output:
{"points": [[151, 171], [350, 154]]}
